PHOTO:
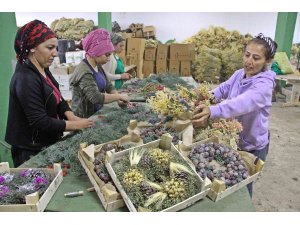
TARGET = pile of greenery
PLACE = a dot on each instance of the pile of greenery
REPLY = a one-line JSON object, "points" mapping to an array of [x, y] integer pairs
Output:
{"points": [[111, 123]]}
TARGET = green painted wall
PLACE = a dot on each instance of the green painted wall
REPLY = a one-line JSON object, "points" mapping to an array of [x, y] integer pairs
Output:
{"points": [[285, 31], [8, 30], [104, 20]]}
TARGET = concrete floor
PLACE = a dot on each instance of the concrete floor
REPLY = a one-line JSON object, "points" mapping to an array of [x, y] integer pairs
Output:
{"points": [[277, 189]]}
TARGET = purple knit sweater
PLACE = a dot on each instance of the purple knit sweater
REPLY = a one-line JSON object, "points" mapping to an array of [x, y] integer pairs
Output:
{"points": [[249, 100]]}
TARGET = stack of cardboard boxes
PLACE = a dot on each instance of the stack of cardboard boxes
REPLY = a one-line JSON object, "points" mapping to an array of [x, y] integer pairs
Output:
{"points": [[181, 57], [62, 73], [137, 30], [149, 61], [135, 54], [149, 32], [161, 58]]}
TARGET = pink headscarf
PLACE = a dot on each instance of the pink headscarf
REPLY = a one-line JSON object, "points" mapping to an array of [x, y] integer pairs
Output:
{"points": [[97, 43]]}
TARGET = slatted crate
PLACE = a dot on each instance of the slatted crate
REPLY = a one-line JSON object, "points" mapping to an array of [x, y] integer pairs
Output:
{"points": [[218, 188], [164, 143], [34, 202], [107, 193]]}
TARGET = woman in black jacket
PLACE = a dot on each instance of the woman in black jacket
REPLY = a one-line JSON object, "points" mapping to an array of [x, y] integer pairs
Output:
{"points": [[38, 115]]}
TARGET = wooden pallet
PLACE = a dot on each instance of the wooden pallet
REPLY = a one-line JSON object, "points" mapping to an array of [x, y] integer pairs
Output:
{"points": [[34, 203], [164, 143], [218, 188]]}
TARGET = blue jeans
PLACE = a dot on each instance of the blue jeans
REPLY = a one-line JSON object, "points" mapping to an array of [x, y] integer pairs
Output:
{"points": [[261, 154]]}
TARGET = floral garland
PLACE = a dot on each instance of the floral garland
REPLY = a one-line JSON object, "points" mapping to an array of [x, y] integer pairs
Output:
{"points": [[16, 185]]}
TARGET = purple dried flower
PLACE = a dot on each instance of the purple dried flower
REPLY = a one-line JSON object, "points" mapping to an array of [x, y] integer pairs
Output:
{"points": [[39, 181], [2, 179], [24, 173], [4, 190]]}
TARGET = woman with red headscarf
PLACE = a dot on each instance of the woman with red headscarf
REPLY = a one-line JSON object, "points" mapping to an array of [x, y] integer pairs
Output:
{"points": [[38, 115], [91, 87]]}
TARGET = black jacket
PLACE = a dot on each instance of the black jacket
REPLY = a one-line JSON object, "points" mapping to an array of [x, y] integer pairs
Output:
{"points": [[32, 115]]}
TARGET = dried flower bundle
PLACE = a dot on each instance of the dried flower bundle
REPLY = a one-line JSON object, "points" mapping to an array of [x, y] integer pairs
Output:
{"points": [[158, 179]]}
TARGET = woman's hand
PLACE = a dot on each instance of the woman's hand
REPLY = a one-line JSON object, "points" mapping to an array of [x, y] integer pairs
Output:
{"points": [[71, 116], [125, 76], [76, 123], [201, 116], [79, 124], [123, 101]]}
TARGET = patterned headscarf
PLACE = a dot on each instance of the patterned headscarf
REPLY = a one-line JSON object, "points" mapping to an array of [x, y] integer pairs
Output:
{"points": [[30, 36], [116, 38], [97, 43], [272, 45]]}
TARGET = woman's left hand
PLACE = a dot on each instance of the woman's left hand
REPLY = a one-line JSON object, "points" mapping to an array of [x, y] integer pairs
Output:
{"points": [[201, 116]]}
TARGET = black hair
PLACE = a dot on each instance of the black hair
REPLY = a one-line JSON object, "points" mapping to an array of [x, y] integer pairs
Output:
{"points": [[270, 46]]}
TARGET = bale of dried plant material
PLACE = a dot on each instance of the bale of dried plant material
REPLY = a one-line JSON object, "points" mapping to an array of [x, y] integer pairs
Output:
{"points": [[207, 66], [221, 39], [232, 60], [74, 29]]}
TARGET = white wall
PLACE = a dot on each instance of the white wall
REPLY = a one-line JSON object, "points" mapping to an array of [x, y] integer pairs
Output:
{"points": [[179, 25], [183, 25], [48, 17]]}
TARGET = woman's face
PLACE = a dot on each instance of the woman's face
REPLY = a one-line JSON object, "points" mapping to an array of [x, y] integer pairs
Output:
{"points": [[119, 47], [45, 52], [102, 59], [254, 59]]}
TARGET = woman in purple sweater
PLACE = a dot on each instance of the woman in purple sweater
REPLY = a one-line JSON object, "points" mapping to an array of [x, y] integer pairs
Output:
{"points": [[248, 98]]}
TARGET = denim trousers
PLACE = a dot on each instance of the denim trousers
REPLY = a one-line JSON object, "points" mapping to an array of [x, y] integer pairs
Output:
{"points": [[261, 154]]}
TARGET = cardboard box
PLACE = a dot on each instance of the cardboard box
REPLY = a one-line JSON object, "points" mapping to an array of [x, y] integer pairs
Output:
{"points": [[139, 69], [71, 69], [139, 33], [67, 94], [161, 67], [162, 52], [70, 57], [150, 53], [126, 35], [148, 68], [78, 56], [63, 81], [136, 46], [59, 70], [174, 67], [182, 52], [149, 31], [185, 68]]}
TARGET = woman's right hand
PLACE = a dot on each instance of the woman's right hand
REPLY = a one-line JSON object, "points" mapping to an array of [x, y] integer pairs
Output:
{"points": [[79, 124], [124, 98], [125, 76]]}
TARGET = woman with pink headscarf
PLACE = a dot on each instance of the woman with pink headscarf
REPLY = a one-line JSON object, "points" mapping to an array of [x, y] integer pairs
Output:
{"points": [[91, 87]]}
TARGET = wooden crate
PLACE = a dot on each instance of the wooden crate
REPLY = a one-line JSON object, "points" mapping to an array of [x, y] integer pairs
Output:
{"points": [[34, 203], [107, 193], [164, 143], [218, 188], [183, 127]]}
